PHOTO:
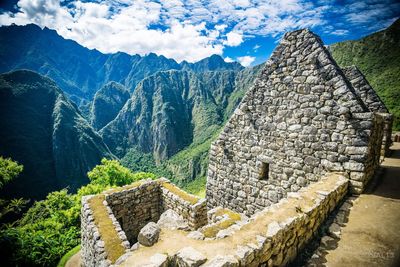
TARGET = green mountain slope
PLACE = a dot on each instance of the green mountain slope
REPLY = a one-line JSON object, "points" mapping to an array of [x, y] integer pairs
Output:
{"points": [[378, 57], [214, 96], [41, 129], [106, 104]]}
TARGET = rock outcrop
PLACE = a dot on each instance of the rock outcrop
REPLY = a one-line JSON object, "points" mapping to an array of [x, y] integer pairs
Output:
{"points": [[107, 102]]}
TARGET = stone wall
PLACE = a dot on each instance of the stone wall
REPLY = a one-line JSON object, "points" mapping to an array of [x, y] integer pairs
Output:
{"points": [[387, 133], [291, 128], [193, 210], [272, 237], [135, 207], [365, 158], [93, 246], [110, 226], [368, 95]]}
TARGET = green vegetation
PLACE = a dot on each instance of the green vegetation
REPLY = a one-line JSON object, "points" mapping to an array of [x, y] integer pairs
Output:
{"points": [[44, 131], [197, 187], [378, 57], [10, 170], [136, 160], [52, 226], [67, 256]]}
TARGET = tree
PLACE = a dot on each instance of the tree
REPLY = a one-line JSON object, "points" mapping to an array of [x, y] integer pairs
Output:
{"points": [[51, 226], [9, 170], [112, 173]]}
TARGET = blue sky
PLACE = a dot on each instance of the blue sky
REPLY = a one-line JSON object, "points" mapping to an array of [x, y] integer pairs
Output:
{"points": [[239, 30]]}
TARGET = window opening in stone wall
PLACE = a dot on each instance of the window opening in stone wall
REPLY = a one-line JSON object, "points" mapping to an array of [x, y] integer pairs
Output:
{"points": [[264, 171]]}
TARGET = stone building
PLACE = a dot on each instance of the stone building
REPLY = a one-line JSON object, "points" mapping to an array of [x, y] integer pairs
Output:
{"points": [[301, 119], [302, 122], [372, 100]]}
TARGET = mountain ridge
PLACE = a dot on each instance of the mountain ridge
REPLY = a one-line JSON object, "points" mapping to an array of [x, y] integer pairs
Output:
{"points": [[44, 131], [79, 71]]}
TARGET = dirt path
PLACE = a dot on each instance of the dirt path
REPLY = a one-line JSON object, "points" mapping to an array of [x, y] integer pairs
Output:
{"points": [[371, 236], [74, 261]]}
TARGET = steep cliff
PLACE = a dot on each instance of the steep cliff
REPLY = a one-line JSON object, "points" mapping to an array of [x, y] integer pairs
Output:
{"points": [[44, 131], [107, 102]]}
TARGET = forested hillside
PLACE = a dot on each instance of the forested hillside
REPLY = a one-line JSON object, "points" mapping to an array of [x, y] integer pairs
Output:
{"points": [[377, 56], [44, 131]]}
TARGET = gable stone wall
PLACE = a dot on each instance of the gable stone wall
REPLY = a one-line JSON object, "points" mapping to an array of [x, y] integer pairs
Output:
{"points": [[368, 95], [296, 124]]}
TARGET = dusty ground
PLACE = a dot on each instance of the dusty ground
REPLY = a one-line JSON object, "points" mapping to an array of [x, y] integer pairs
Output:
{"points": [[372, 235], [74, 261]]}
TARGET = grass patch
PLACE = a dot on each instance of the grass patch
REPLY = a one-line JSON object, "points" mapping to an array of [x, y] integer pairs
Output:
{"points": [[231, 214], [233, 217], [197, 187], [127, 187], [213, 230], [179, 192], [112, 243], [67, 256]]}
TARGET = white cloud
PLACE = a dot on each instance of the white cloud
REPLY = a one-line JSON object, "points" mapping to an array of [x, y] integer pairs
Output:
{"points": [[190, 29], [255, 48], [174, 28], [246, 60], [340, 32], [233, 38], [228, 60]]}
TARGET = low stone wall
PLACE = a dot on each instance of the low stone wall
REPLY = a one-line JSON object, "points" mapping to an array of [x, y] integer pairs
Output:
{"points": [[111, 221], [387, 133], [365, 157], [98, 249], [284, 239], [135, 207], [273, 236], [191, 208]]}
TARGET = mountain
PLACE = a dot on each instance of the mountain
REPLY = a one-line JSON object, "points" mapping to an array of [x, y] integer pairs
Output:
{"points": [[212, 63], [161, 115], [173, 116], [377, 56], [41, 129], [81, 72], [107, 102]]}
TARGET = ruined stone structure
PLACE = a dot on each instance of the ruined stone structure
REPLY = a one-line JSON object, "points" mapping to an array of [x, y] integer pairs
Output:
{"points": [[372, 100], [304, 136], [301, 119], [124, 211]]}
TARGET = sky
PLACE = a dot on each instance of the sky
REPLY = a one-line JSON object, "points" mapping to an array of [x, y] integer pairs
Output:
{"points": [[245, 31]]}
